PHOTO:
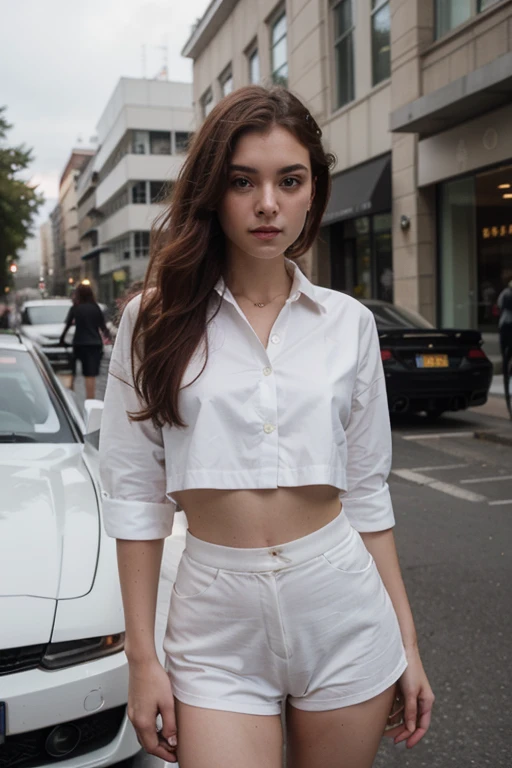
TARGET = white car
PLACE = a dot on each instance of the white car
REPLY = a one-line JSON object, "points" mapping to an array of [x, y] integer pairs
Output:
{"points": [[42, 321], [63, 671]]}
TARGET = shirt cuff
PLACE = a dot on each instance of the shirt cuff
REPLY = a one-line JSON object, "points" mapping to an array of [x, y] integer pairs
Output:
{"points": [[137, 520], [370, 513]]}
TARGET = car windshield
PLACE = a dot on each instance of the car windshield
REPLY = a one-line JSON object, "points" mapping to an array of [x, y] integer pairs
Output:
{"points": [[388, 317], [46, 315], [29, 408]]}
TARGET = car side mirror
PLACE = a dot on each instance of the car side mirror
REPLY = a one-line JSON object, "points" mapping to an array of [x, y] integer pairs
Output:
{"points": [[93, 413]]}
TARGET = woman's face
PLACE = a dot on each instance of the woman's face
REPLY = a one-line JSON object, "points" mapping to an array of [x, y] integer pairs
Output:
{"points": [[269, 188]]}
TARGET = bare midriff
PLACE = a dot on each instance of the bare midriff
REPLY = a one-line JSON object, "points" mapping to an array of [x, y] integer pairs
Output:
{"points": [[258, 518]]}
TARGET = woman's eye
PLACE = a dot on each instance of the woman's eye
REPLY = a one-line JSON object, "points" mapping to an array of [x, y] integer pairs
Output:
{"points": [[290, 182], [240, 183]]}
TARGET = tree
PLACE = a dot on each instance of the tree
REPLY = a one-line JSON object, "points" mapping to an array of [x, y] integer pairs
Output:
{"points": [[19, 203]]}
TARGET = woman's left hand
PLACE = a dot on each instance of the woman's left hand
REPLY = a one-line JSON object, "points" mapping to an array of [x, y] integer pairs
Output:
{"points": [[419, 699]]}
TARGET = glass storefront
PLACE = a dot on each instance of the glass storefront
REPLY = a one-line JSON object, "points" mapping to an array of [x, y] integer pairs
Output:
{"points": [[475, 248], [361, 257]]}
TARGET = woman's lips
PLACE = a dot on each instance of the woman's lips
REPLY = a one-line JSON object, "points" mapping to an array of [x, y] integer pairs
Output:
{"points": [[266, 235]]}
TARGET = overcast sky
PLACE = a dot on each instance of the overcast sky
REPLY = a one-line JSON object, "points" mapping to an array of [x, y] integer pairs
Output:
{"points": [[60, 61]]}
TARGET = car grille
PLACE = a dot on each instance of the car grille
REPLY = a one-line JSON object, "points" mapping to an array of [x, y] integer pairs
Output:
{"points": [[28, 749], [21, 659]]}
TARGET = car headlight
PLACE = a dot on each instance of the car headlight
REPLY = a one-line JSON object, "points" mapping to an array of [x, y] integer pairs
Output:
{"points": [[59, 655]]}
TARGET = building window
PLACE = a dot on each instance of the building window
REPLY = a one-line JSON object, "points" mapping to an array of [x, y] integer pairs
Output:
{"points": [[344, 52], [279, 51], [452, 13], [182, 140], [254, 67], [483, 5], [139, 192], [160, 191], [381, 40], [141, 243], [140, 143], [207, 103], [160, 142], [226, 82]]}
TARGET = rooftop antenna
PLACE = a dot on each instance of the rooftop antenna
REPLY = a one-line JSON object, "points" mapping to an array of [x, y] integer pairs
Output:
{"points": [[163, 74]]}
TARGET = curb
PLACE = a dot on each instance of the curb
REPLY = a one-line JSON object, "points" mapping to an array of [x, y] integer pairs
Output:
{"points": [[494, 437]]}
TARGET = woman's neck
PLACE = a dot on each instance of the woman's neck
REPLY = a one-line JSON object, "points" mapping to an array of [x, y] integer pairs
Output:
{"points": [[258, 279]]}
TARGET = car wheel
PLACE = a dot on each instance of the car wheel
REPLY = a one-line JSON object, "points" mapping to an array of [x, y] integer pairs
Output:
{"points": [[434, 414]]}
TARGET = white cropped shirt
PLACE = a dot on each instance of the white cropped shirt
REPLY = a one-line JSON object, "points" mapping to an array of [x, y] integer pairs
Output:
{"points": [[310, 409]]}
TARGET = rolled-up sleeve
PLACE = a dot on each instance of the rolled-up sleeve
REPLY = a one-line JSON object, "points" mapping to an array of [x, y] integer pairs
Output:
{"points": [[132, 455], [367, 502]]}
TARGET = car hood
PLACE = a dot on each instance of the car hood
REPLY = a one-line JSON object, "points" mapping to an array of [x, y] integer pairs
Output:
{"points": [[49, 521], [49, 330]]}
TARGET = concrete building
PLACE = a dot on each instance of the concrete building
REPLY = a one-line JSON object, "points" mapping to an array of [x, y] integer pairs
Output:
{"points": [[47, 255], [64, 218], [143, 135], [412, 98]]}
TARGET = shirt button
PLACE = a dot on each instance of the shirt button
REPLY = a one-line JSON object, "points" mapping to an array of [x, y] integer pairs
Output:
{"points": [[268, 428], [275, 339], [267, 371]]}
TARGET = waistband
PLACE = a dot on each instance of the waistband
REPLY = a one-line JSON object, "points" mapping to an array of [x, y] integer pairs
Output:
{"points": [[271, 558]]}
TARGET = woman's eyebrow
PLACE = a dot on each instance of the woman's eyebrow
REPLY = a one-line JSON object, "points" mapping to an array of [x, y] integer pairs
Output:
{"points": [[286, 169]]}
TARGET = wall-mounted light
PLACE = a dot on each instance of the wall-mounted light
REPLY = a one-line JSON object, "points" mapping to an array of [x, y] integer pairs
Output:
{"points": [[405, 222], [504, 186], [508, 196]]}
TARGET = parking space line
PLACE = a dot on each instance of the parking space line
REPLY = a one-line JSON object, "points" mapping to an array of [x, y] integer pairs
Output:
{"points": [[495, 479], [448, 488], [436, 435], [438, 469], [500, 503]]}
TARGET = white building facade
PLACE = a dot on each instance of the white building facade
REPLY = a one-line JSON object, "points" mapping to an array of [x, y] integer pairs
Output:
{"points": [[143, 135]]}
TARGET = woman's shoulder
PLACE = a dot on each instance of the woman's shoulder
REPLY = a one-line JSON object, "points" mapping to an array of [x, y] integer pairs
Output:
{"points": [[339, 304]]}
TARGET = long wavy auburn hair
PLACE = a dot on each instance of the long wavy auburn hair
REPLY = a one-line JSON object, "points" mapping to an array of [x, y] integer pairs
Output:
{"points": [[187, 254]]}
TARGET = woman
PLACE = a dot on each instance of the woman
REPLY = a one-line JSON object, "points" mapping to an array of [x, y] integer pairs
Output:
{"points": [[87, 341], [254, 399]]}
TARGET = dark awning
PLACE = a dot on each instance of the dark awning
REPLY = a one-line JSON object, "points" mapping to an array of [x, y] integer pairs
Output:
{"points": [[360, 191], [94, 252]]}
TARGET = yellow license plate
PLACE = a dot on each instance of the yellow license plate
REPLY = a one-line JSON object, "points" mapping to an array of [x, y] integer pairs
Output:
{"points": [[432, 361]]}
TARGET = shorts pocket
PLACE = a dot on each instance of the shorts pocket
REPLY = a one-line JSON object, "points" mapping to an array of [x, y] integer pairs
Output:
{"points": [[349, 555], [193, 579]]}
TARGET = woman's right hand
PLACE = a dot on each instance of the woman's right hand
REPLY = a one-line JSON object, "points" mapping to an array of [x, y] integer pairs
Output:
{"points": [[150, 694]]}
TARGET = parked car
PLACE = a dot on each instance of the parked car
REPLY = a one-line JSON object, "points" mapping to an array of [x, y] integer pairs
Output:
{"points": [[429, 369], [42, 321], [63, 670]]}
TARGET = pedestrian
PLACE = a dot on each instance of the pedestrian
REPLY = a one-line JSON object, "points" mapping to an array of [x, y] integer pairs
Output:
{"points": [[90, 325], [504, 303], [256, 401]]}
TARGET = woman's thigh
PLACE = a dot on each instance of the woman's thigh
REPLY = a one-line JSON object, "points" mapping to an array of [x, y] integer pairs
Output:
{"points": [[212, 738], [338, 738]]}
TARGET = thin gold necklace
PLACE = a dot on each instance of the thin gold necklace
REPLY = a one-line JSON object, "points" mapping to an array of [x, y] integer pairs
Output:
{"points": [[261, 303]]}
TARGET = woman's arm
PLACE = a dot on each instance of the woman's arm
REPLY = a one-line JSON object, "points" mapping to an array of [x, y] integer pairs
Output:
{"points": [[137, 513], [139, 571], [67, 326]]}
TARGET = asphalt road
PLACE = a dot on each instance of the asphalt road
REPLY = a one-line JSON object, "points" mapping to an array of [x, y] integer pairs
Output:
{"points": [[453, 505]]}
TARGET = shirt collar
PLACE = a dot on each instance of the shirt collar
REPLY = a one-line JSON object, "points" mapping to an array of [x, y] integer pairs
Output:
{"points": [[300, 285]]}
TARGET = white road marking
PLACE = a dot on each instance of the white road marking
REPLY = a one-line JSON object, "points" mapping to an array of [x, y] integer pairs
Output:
{"points": [[448, 488], [497, 478], [438, 469], [437, 435], [500, 503]]}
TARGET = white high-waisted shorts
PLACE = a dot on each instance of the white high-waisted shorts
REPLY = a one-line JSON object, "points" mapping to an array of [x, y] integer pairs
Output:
{"points": [[309, 620]]}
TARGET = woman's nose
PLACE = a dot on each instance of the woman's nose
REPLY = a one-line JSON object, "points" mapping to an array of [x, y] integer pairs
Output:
{"points": [[267, 202]]}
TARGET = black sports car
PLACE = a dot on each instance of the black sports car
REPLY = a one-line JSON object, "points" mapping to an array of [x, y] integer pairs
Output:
{"points": [[429, 369]]}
